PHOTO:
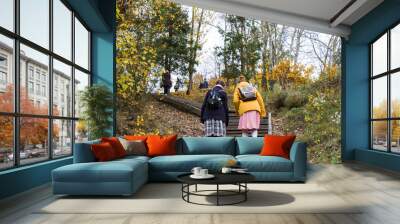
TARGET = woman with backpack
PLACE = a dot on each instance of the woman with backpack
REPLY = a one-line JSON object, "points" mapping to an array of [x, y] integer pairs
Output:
{"points": [[214, 111], [249, 105]]}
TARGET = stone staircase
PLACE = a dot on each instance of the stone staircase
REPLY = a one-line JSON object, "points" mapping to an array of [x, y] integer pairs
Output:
{"points": [[194, 108]]}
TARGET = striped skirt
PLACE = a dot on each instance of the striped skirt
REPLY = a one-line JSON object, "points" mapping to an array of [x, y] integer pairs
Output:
{"points": [[215, 128]]}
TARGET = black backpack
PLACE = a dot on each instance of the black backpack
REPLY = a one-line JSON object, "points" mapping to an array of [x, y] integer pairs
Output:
{"points": [[214, 100]]}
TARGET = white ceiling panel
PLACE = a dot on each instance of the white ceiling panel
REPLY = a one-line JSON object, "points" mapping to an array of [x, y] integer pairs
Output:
{"points": [[326, 16], [321, 9]]}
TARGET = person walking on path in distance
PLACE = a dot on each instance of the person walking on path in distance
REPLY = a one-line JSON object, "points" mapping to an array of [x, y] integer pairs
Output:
{"points": [[214, 111], [249, 105]]}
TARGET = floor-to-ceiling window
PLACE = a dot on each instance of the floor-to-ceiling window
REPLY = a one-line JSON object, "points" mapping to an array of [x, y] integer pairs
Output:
{"points": [[385, 91], [44, 65]]}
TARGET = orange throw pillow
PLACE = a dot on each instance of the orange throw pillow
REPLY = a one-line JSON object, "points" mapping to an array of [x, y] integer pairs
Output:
{"points": [[135, 137], [275, 145], [116, 145], [103, 152], [161, 145]]}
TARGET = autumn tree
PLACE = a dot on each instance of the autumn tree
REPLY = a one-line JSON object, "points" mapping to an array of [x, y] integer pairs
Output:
{"points": [[136, 53], [198, 21], [171, 39], [287, 73], [326, 50], [33, 131], [278, 42], [152, 38], [240, 53]]}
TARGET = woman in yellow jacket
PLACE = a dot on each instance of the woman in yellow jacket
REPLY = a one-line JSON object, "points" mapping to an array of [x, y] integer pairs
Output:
{"points": [[250, 111]]}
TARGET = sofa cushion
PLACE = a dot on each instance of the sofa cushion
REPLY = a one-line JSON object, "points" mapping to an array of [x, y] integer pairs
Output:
{"points": [[134, 157], [103, 152], [277, 145], [185, 163], [135, 137], [257, 163], [112, 171], [134, 147], [159, 145], [249, 145], [83, 152], [207, 145], [116, 145]]}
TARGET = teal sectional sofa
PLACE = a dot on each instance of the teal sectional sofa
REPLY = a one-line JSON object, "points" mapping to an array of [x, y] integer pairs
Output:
{"points": [[125, 176]]}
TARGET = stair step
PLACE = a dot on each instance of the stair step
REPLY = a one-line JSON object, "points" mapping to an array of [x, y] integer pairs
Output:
{"points": [[240, 131], [234, 131], [240, 135], [262, 122], [235, 126]]}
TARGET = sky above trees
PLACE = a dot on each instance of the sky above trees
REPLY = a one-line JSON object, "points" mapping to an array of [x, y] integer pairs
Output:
{"points": [[212, 39]]}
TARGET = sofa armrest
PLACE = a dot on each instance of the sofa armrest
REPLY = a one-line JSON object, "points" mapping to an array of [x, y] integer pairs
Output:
{"points": [[83, 152], [298, 155]]}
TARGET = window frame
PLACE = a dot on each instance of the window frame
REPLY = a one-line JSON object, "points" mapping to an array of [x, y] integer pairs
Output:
{"points": [[16, 114], [388, 74]]}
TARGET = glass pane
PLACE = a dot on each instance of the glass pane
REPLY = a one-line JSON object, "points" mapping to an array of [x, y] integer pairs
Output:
{"points": [[81, 82], [81, 131], [62, 138], [395, 47], [7, 14], [81, 45], [6, 142], [62, 89], [34, 97], [62, 29], [395, 94], [33, 139], [379, 97], [395, 138], [379, 55], [379, 135], [35, 21], [6, 74]]}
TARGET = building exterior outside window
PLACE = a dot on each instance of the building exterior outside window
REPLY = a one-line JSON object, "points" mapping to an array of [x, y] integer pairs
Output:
{"points": [[3, 72], [30, 88], [58, 123]]}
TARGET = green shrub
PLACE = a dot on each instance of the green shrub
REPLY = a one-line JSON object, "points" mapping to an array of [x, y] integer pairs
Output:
{"points": [[295, 98], [311, 112], [293, 120], [275, 99]]}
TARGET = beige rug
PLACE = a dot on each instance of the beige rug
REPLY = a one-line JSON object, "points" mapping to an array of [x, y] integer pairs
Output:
{"points": [[166, 198]]}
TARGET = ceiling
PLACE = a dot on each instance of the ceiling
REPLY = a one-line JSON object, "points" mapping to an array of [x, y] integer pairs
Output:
{"points": [[327, 16]]}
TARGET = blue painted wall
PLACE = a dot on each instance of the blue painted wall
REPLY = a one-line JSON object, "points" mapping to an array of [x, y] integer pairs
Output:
{"points": [[24, 178], [103, 53], [89, 11], [355, 70], [99, 16]]}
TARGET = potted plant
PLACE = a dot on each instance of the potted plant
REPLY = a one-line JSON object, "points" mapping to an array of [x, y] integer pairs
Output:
{"points": [[97, 104]]}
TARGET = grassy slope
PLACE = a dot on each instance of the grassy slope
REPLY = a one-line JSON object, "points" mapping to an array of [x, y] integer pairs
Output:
{"points": [[159, 118]]}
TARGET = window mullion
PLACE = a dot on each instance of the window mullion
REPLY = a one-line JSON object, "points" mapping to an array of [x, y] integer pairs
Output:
{"points": [[389, 104], [50, 81], [73, 81], [16, 70], [371, 140], [18, 75]]}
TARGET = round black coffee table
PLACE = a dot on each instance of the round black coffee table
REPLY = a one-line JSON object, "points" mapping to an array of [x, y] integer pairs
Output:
{"points": [[238, 179]]}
